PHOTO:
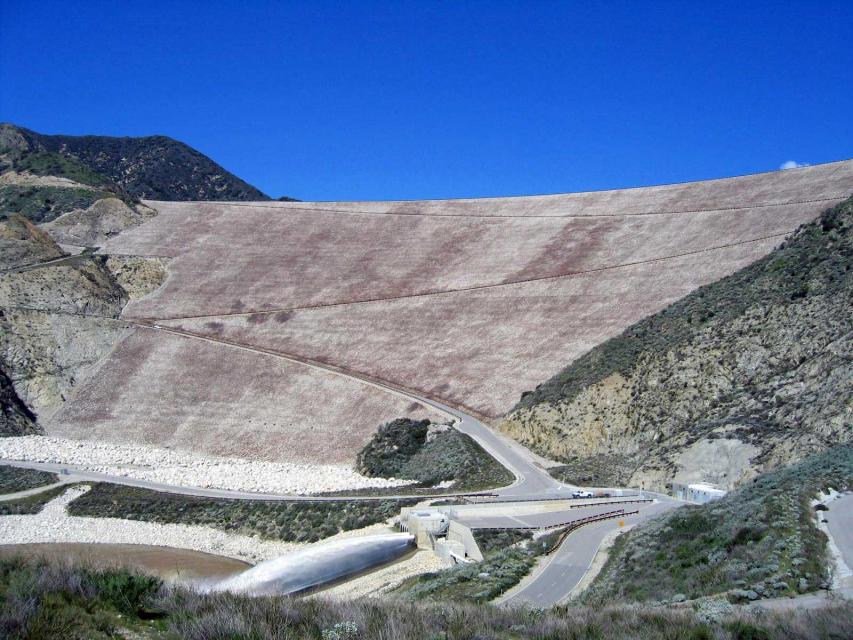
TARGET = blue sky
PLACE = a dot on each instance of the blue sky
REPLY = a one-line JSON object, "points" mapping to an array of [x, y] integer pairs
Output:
{"points": [[386, 100]]}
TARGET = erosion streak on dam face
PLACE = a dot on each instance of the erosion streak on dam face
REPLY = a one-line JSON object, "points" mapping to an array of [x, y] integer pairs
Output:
{"points": [[467, 301]]}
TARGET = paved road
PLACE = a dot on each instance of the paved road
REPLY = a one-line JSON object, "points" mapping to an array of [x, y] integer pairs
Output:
{"points": [[531, 479], [26, 493], [543, 519], [75, 474], [840, 523], [566, 567]]}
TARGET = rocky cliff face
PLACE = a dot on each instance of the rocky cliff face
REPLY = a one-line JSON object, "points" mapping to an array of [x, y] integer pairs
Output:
{"points": [[16, 419], [746, 374], [96, 224], [58, 318]]}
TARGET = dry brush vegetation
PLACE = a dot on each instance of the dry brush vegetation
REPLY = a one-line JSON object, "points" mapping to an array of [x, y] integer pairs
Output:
{"points": [[40, 602], [759, 541]]}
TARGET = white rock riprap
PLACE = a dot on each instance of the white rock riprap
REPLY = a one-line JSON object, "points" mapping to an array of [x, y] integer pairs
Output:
{"points": [[190, 470], [387, 578]]}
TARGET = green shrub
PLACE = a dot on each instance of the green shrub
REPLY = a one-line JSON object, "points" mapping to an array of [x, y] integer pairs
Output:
{"points": [[291, 521], [402, 449], [31, 504], [44, 204], [760, 537], [40, 601], [14, 479], [742, 630]]}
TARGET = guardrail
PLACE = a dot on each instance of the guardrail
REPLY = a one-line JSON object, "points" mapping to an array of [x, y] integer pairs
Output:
{"points": [[467, 498], [582, 521], [570, 506], [592, 518]]}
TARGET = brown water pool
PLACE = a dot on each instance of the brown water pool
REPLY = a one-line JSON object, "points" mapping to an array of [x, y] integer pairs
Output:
{"points": [[171, 564]]}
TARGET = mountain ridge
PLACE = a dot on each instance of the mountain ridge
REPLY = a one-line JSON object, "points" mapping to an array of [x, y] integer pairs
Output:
{"points": [[153, 167]]}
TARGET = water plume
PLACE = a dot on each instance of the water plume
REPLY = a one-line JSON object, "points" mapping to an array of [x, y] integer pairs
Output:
{"points": [[317, 565]]}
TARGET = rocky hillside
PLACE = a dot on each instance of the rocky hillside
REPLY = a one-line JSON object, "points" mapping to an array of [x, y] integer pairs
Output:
{"points": [[745, 374], [16, 419], [60, 198], [57, 318], [57, 322], [152, 167]]}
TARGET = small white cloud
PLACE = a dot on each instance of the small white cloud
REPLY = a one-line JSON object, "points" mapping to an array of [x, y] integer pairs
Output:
{"points": [[793, 164]]}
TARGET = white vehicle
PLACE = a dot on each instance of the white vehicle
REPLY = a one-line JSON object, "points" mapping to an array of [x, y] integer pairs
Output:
{"points": [[580, 493]]}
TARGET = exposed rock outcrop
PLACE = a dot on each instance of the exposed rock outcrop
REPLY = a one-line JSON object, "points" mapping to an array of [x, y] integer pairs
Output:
{"points": [[59, 313], [745, 374], [57, 321], [23, 243], [16, 419], [138, 275], [98, 223]]}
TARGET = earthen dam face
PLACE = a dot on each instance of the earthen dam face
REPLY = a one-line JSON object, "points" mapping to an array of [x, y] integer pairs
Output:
{"points": [[470, 302]]}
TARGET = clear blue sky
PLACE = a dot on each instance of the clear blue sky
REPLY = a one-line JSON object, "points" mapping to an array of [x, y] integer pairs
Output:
{"points": [[388, 100]]}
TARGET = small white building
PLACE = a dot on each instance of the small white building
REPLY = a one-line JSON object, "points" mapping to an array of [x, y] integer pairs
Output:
{"points": [[424, 524], [698, 492]]}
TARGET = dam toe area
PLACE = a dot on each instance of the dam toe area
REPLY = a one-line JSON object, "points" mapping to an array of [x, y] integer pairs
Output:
{"points": [[280, 324]]}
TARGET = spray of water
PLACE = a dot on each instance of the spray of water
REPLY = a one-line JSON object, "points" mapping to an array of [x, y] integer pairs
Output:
{"points": [[317, 565]]}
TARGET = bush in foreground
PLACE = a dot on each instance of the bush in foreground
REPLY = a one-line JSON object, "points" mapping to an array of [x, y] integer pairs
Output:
{"points": [[40, 601]]}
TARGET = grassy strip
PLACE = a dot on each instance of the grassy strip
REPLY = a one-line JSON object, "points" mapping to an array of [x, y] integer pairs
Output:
{"points": [[295, 521], [13, 479], [47, 163], [489, 540], [31, 504], [40, 601], [758, 541], [477, 582]]}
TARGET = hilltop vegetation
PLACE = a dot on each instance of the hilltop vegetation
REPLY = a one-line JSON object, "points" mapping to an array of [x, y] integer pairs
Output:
{"points": [[758, 541], [412, 449], [744, 374], [39, 601], [153, 167]]}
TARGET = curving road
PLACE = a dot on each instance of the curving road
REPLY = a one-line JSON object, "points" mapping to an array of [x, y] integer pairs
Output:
{"points": [[563, 570], [554, 580]]}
